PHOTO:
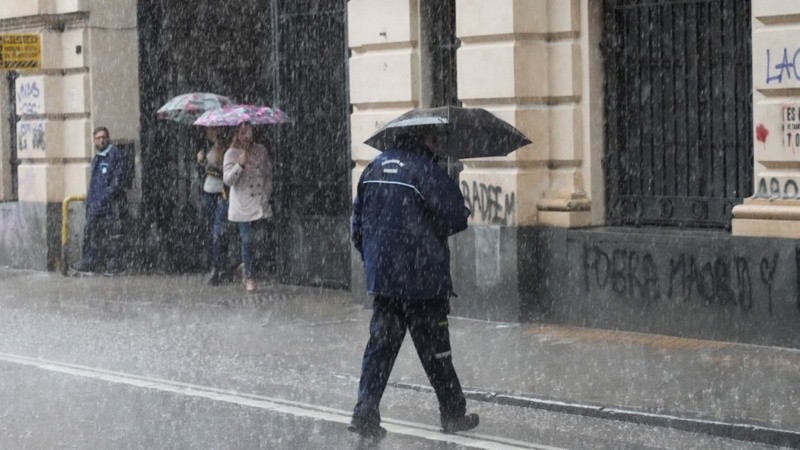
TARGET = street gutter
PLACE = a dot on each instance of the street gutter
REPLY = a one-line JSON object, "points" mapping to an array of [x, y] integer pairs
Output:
{"points": [[684, 422]]}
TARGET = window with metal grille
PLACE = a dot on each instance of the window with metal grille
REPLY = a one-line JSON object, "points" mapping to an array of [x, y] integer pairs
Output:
{"points": [[678, 110]]}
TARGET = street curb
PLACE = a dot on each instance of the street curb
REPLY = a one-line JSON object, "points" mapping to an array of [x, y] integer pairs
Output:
{"points": [[732, 430]]}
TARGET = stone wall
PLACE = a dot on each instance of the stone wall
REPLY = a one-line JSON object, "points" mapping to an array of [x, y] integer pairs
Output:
{"points": [[774, 210]]}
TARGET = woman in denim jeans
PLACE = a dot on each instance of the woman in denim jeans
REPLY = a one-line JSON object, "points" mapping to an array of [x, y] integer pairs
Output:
{"points": [[247, 169], [215, 205]]}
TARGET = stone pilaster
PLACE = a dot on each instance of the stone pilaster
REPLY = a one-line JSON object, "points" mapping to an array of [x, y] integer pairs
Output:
{"points": [[384, 79], [774, 210], [521, 59], [384, 68]]}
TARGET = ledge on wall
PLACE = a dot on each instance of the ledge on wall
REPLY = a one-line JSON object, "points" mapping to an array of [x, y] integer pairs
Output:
{"points": [[766, 218], [574, 212]]}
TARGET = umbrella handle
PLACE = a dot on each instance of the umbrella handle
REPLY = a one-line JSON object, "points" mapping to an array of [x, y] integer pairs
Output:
{"points": [[451, 166]]}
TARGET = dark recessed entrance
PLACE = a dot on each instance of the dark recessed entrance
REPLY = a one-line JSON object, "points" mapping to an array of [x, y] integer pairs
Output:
{"points": [[286, 53]]}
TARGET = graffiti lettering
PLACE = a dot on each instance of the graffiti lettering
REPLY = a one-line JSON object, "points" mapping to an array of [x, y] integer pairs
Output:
{"points": [[29, 108], [27, 91], [713, 281], [767, 274], [628, 274], [786, 68], [488, 200], [30, 136], [775, 188], [28, 100]]}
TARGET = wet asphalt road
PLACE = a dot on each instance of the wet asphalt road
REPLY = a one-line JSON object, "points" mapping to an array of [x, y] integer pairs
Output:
{"points": [[165, 362]]}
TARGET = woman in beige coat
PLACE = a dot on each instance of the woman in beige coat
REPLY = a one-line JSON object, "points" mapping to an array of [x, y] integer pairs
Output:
{"points": [[247, 169]]}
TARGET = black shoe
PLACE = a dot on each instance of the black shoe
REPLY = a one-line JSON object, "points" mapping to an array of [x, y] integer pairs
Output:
{"points": [[367, 428], [212, 278], [225, 276], [463, 423], [113, 273], [73, 272]]}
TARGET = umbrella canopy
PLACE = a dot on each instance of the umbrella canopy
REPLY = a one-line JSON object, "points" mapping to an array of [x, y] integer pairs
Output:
{"points": [[234, 115], [186, 108], [462, 132]]}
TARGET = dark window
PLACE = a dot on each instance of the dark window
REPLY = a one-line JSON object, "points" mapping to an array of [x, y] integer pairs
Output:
{"points": [[286, 53]]}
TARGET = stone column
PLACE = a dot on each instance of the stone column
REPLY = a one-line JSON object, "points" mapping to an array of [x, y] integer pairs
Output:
{"points": [[774, 209], [384, 68], [521, 59], [384, 79]]}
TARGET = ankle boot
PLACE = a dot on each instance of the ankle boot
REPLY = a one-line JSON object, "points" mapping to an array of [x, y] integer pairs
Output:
{"points": [[463, 423]]}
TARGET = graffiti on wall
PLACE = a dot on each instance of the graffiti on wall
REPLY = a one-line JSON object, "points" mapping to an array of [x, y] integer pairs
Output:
{"points": [[782, 66], [29, 98], [489, 204], [30, 135], [686, 277]]}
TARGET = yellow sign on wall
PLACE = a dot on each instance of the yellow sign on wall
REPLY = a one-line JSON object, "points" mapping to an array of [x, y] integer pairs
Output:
{"points": [[20, 52]]}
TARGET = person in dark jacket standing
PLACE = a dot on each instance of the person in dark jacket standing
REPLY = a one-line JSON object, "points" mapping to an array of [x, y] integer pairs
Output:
{"points": [[106, 206], [405, 209]]}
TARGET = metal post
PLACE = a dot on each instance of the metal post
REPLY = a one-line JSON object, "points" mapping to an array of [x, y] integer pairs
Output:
{"points": [[62, 263]]}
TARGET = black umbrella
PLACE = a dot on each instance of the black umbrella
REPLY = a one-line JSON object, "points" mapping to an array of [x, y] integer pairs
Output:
{"points": [[462, 132]]}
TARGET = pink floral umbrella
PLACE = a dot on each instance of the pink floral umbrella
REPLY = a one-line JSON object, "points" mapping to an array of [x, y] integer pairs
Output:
{"points": [[232, 116], [186, 108]]}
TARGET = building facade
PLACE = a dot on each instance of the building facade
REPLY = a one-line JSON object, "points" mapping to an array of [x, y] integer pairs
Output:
{"points": [[659, 194], [654, 158]]}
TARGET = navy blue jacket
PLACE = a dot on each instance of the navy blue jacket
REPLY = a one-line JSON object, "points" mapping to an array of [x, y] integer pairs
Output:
{"points": [[107, 186], [406, 207]]}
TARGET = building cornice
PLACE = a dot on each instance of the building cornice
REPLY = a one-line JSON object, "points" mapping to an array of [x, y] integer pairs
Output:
{"points": [[57, 22]]}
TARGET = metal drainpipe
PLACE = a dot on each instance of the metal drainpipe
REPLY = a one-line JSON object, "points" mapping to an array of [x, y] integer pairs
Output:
{"points": [[12, 129], [62, 262]]}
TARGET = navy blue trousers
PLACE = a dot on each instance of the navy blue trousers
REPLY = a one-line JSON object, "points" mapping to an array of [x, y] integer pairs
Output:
{"points": [[103, 244], [426, 321], [215, 210]]}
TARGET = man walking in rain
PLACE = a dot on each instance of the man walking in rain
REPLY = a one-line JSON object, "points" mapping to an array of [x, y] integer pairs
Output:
{"points": [[405, 209], [105, 209]]}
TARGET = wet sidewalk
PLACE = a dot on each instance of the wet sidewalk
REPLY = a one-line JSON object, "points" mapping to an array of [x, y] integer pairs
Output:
{"points": [[734, 390], [740, 391]]}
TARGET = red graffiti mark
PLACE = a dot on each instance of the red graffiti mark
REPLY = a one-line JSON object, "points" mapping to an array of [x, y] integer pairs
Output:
{"points": [[761, 133]]}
